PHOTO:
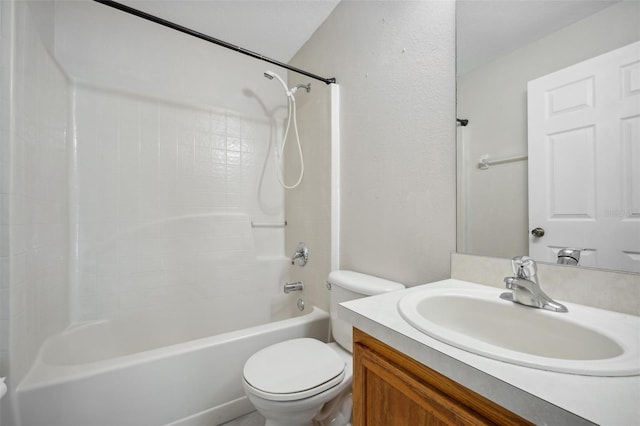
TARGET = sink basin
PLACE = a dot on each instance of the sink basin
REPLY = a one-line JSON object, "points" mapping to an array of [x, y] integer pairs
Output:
{"points": [[586, 341]]}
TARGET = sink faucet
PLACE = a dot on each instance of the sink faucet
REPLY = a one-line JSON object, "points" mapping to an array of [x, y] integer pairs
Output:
{"points": [[525, 288]]}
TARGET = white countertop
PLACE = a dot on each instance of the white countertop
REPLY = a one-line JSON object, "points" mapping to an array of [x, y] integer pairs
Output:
{"points": [[542, 397]]}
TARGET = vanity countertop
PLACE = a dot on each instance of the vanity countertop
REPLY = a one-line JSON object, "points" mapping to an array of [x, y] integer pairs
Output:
{"points": [[542, 397]]}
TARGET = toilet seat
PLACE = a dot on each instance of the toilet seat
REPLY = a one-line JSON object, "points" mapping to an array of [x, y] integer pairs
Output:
{"points": [[293, 370]]}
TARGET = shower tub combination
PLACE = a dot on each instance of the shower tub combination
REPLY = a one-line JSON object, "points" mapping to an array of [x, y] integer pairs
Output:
{"points": [[164, 368]]}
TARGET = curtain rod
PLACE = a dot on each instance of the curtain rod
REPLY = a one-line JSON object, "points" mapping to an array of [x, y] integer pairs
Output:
{"points": [[205, 37]]}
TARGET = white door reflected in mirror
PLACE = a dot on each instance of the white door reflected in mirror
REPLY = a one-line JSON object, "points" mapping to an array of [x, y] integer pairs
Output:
{"points": [[584, 161]]}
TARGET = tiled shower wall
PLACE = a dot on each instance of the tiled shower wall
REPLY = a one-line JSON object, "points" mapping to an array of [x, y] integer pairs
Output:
{"points": [[173, 141], [166, 194], [34, 160], [4, 186]]}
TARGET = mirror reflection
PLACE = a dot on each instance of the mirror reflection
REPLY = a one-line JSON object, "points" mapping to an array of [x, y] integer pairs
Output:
{"points": [[501, 47]]}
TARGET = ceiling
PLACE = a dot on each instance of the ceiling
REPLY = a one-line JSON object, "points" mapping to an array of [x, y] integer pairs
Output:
{"points": [[486, 29], [272, 28]]}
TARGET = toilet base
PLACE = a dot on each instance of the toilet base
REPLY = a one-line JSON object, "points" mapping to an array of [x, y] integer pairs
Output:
{"points": [[308, 412], [337, 412], [275, 423], [331, 407]]}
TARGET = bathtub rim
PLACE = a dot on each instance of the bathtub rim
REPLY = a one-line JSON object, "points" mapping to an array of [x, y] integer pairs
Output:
{"points": [[42, 375]]}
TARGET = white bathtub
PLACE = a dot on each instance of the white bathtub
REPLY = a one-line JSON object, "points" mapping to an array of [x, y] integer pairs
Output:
{"points": [[160, 369]]}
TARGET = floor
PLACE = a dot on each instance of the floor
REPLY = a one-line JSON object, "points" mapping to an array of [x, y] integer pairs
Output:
{"points": [[251, 419]]}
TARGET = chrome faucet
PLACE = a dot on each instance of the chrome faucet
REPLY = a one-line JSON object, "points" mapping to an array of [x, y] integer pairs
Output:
{"points": [[569, 256], [525, 288]]}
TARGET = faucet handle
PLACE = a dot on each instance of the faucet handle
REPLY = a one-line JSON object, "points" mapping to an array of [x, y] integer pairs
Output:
{"points": [[301, 255], [524, 267]]}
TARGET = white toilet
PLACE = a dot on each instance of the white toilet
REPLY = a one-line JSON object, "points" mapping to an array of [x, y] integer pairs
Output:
{"points": [[305, 381]]}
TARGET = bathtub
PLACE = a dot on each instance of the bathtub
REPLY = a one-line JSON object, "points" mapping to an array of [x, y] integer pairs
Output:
{"points": [[161, 368]]}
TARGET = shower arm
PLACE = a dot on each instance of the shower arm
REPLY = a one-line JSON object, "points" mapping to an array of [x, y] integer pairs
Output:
{"points": [[290, 92], [306, 87]]}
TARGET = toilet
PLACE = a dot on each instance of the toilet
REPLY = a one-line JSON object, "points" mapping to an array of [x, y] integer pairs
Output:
{"points": [[305, 381]]}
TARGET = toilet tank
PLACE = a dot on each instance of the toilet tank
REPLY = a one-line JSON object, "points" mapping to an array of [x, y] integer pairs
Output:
{"points": [[349, 285]]}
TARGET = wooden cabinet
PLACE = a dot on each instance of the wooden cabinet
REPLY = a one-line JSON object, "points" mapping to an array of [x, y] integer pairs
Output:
{"points": [[391, 389]]}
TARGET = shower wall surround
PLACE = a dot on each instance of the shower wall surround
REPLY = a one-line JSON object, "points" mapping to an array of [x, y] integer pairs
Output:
{"points": [[130, 174], [309, 206], [5, 99], [35, 195], [174, 140], [165, 198]]}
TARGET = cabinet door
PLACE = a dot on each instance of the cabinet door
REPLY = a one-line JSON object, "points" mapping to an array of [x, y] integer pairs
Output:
{"points": [[388, 395], [392, 389]]}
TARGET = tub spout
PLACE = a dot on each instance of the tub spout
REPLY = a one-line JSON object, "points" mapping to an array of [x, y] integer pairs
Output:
{"points": [[297, 286]]}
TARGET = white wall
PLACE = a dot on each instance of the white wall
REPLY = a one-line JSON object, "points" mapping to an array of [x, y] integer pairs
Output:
{"points": [[394, 62], [35, 248], [493, 98]]}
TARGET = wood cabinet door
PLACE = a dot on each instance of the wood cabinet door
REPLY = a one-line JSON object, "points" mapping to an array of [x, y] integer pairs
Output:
{"points": [[391, 396], [391, 389]]}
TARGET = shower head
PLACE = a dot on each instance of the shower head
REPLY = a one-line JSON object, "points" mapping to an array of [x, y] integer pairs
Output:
{"points": [[271, 75]]}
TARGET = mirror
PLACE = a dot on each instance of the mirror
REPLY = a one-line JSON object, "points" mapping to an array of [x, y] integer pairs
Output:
{"points": [[501, 45]]}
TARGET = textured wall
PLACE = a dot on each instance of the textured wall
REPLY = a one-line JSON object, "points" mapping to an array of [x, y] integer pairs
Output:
{"points": [[394, 62]]}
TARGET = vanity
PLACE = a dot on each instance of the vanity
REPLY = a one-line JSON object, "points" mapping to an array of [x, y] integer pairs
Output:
{"points": [[404, 376], [391, 388]]}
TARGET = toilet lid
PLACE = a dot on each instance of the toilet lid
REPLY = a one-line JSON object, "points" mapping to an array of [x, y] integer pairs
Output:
{"points": [[294, 369]]}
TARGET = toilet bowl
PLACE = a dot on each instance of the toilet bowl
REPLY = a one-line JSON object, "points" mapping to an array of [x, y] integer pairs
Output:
{"points": [[289, 383], [304, 381]]}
